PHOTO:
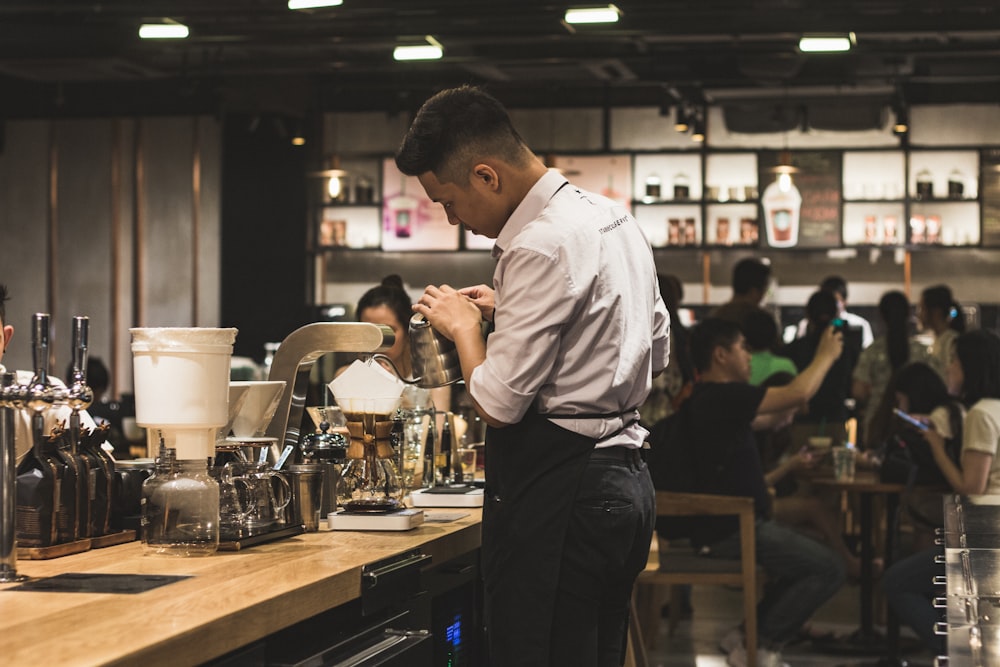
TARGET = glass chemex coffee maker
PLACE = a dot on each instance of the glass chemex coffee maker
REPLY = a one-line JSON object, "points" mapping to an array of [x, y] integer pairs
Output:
{"points": [[369, 481]]}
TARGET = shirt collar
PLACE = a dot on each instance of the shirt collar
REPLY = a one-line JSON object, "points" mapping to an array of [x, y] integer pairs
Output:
{"points": [[529, 209]]}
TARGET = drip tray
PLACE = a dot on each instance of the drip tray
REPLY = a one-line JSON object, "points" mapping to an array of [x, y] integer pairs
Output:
{"points": [[89, 582]]}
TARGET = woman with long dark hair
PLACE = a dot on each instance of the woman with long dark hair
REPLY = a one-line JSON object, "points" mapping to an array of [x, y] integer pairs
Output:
{"points": [[974, 377], [890, 352]]}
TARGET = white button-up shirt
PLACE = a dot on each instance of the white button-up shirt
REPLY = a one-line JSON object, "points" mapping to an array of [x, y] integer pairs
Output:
{"points": [[580, 325]]}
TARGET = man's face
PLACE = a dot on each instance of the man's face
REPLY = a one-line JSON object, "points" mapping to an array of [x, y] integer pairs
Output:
{"points": [[476, 205], [736, 360]]}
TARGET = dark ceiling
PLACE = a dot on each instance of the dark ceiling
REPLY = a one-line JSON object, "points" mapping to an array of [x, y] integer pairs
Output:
{"points": [[83, 57]]}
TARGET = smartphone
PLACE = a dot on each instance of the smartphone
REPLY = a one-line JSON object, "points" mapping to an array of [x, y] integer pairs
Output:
{"points": [[910, 419], [839, 324]]}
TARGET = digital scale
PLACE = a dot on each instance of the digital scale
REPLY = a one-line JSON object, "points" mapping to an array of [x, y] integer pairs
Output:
{"points": [[448, 496], [404, 519]]}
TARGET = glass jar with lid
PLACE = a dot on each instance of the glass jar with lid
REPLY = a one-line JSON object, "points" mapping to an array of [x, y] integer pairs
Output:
{"points": [[956, 184], [925, 184]]}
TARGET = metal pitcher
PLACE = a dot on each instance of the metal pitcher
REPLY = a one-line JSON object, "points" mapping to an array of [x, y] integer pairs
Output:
{"points": [[434, 357]]}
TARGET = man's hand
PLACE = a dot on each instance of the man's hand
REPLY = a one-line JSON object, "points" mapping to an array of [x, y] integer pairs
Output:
{"points": [[483, 297], [449, 311], [831, 344]]}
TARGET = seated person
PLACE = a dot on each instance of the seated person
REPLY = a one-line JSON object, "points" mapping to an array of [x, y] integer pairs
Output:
{"points": [[718, 441], [972, 377]]}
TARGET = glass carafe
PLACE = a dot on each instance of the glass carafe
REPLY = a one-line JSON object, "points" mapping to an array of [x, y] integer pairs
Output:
{"points": [[180, 508], [369, 482]]}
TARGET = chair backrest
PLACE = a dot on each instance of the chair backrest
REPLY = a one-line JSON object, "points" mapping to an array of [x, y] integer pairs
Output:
{"points": [[696, 570]]}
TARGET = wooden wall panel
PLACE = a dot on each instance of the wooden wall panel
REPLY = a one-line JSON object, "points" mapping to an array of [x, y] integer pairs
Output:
{"points": [[166, 242], [24, 179], [82, 263]]}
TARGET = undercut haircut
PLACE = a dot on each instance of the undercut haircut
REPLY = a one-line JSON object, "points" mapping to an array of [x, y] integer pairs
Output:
{"points": [[455, 129], [710, 333]]}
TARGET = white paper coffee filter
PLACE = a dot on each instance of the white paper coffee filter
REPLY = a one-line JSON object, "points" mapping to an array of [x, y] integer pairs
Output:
{"points": [[367, 387]]}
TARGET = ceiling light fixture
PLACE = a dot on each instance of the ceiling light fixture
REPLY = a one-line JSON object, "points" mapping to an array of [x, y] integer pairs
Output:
{"points": [[827, 43], [605, 14], [313, 4], [682, 122], [167, 29], [902, 124], [432, 50], [698, 135]]}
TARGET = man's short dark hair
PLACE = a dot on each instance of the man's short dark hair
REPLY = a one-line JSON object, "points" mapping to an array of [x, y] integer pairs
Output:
{"points": [[761, 330], [453, 129], [710, 333], [3, 302], [821, 308], [836, 285], [750, 274]]}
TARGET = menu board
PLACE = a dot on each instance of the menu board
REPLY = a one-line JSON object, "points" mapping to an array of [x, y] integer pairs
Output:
{"points": [[804, 210], [990, 189], [410, 220]]}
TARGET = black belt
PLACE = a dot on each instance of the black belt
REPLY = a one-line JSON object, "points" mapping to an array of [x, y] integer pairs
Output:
{"points": [[616, 453]]}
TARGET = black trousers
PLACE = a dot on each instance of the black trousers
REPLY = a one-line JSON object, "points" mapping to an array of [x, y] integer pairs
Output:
{"points": [[566, 530]]}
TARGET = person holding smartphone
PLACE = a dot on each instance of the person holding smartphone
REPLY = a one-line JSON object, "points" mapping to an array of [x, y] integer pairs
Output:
{"points": [[974, 377]]}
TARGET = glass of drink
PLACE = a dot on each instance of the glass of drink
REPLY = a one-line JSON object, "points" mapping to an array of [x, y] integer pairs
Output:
{"points": [[467, 456]]}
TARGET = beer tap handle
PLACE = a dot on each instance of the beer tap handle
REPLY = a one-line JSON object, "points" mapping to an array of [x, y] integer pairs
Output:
{"points": [[40, 395], [80, 395]]}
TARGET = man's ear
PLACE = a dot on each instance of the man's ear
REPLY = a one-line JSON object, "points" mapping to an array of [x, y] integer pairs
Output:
{"points": [[483, 175]]}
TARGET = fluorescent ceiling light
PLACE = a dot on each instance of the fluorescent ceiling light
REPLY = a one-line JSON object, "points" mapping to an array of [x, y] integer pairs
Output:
{"points": [[313, 4], [606, 14], [826, 43], [168, 30], [432, 50]]}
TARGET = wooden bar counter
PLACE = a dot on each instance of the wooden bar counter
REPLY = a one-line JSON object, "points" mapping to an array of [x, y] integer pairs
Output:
{"points": [[232, 598]]}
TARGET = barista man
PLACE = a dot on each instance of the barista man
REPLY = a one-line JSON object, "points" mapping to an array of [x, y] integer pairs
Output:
{"points": [[22, 420], [579, 331]]}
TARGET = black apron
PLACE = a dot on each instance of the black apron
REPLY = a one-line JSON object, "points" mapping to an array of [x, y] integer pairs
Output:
{"points": [[533, 471]]}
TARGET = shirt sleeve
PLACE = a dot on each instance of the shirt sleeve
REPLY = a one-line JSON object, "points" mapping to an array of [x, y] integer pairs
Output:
{"points": [[980, 432], [536, 301], [661, 334]]}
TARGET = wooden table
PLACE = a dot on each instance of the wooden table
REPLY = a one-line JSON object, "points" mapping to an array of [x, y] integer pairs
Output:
{"points": [[866, 485], [230, 600]]}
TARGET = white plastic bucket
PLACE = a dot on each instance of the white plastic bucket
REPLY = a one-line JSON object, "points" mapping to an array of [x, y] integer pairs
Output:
{"points": [[182, 376]]}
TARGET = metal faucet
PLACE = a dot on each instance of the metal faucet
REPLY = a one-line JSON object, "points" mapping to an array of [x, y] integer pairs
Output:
{"points": [[37, 396], [295, 357]]}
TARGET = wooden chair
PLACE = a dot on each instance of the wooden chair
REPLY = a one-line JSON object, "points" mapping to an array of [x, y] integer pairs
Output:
{"points": [[676, 566]]}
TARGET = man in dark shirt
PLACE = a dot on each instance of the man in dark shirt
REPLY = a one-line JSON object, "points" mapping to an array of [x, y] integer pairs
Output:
{"points": [[722, 413], [827, 409], [751, 279]]}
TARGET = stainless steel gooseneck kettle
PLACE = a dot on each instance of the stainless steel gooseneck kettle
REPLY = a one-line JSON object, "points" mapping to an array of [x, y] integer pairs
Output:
{"points": [[434, 357]]}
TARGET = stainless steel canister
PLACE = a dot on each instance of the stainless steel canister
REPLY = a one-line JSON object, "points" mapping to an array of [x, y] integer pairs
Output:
{"points": [[306, 480]]}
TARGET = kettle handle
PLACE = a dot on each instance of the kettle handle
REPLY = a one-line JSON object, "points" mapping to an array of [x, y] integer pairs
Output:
{"points": [[394, 369]]}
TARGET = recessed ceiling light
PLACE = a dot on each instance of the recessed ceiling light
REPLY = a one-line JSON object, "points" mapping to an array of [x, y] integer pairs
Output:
{"points": [[432, 50], [826, 43], [605, 14], [168, 29], [313, 4]]}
